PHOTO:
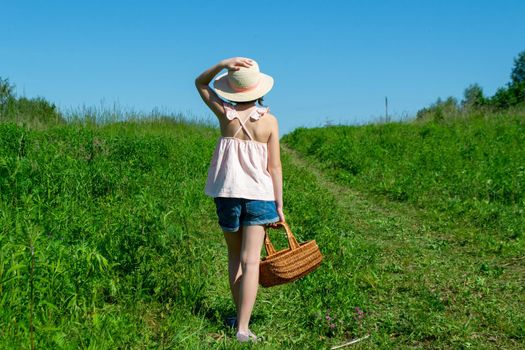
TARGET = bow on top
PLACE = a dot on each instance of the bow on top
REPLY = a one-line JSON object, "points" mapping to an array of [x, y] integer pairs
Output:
{"points": [[256, 114]]}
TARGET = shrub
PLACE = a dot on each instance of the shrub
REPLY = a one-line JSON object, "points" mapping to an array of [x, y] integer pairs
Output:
{"points": [[36, 112]]}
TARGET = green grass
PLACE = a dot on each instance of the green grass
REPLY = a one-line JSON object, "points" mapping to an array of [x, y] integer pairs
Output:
{"points": [[110, 213], [429, 283], [444, 204], [468, 169], [108, 241], [127, 251]]}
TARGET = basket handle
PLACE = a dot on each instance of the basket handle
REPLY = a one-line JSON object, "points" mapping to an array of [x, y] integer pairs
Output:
{"points": [[292, 242]]}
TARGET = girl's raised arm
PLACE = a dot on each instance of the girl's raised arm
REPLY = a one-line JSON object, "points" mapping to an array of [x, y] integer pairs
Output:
{"points": [[202, 82]]}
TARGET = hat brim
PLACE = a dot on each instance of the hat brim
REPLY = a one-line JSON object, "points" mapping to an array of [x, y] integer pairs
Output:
{"points": [[223, 89]]}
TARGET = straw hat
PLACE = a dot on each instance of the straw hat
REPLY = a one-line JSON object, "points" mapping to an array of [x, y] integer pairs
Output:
{"points": [[245, 84]]}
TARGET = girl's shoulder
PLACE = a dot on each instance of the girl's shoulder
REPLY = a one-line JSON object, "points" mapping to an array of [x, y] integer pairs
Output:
{"points": [[270, 116], [260, 111]]}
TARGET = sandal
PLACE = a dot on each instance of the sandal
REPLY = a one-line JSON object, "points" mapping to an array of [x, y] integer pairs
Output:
{"points": [[250, 337]]}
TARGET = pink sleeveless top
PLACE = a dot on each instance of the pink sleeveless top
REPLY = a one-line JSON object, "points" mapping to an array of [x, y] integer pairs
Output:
{"points": [[239, 168]]}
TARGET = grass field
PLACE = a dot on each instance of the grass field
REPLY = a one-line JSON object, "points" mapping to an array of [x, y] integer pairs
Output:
{"points": [[108, 241], [468, 169]]}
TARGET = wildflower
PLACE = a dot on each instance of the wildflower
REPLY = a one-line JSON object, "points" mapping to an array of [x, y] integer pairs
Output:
{"points": [[360, 314]]}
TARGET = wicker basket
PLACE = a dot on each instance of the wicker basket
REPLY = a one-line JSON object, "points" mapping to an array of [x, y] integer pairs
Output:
{"points": [[288, 264]]}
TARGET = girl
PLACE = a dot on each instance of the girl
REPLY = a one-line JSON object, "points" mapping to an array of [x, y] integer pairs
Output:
{"points": [[244, 176]]}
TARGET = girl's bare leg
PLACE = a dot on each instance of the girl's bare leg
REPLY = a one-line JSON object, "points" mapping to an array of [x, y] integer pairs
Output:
{"points": [[252, 240], [234, 243]]}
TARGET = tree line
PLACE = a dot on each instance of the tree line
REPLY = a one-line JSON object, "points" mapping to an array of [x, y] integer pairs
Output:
{"points": [[474, 100]]}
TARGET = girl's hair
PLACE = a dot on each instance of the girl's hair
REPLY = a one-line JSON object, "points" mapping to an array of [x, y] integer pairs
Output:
{"points": [[260, 101]]}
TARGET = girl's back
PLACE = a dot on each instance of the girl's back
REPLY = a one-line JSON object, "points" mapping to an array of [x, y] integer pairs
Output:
{"points": [[260, 128], [258, 122], [239, 167]]}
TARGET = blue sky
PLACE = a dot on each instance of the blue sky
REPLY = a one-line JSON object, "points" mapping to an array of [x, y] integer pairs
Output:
{"points": [[332, 61]]}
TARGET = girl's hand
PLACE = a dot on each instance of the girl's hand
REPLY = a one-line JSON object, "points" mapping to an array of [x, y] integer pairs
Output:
{"points": [[281, 214], [235, 63], [281, 217]]}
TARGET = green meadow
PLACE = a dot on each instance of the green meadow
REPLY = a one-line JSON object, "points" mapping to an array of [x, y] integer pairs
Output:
{"points": [[469, 170], [107, 240]]}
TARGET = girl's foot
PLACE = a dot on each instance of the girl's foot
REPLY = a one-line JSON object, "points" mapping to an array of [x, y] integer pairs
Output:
{"points": [[246, 337]]}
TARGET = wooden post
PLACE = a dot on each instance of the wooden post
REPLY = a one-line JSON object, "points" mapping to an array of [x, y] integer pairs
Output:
{"points": [[386, 110]]}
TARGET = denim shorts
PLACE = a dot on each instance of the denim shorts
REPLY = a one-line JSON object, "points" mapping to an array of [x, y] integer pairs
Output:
{"points": [[236, 212]]}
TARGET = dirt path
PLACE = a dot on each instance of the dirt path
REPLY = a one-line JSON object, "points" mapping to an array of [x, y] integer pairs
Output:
{"points": [[429, 275], [363, 210]]}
